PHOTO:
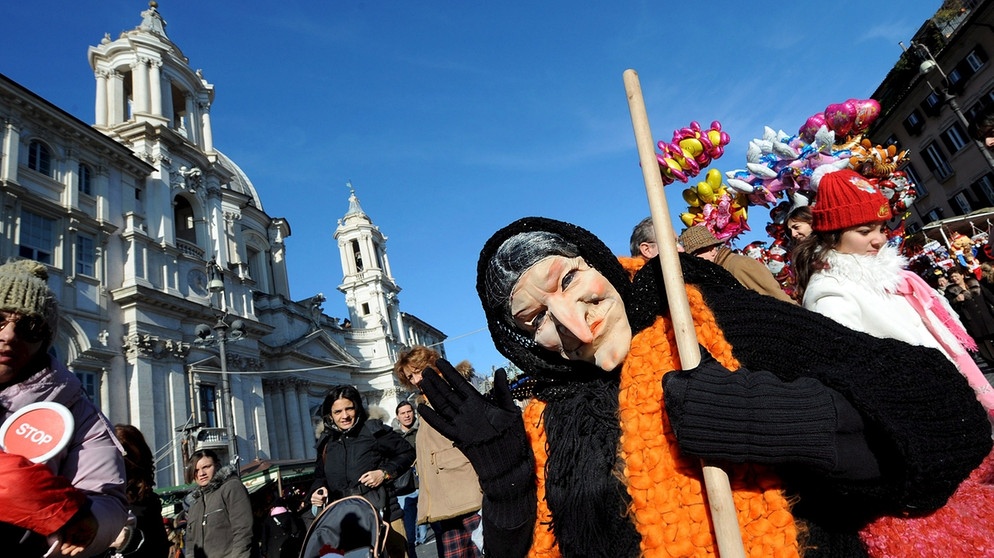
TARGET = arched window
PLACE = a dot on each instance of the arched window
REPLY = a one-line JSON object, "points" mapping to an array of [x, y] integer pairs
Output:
{"points": [[40, 158], [85, 180], [183, 220], [356, 255]]}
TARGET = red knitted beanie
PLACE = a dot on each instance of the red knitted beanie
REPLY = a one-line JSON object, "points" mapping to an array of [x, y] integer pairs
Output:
{"points": [[846, 199]]}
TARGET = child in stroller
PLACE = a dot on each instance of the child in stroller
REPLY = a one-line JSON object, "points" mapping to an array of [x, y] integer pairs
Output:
{"points": [[349, 527]]}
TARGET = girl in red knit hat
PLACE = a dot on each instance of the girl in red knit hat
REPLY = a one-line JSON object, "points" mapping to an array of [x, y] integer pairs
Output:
{"points": [[846, 270]]}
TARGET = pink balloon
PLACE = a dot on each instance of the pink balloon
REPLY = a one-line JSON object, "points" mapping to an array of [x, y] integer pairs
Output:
{"points": [[811, 127], [841, 116], [867, 111]]}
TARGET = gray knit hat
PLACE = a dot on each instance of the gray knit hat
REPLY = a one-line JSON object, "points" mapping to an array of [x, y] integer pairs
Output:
{"points": [[24, 290]]}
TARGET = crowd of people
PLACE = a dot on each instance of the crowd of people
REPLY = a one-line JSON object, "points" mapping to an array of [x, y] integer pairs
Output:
{"points": [[851, 415]]}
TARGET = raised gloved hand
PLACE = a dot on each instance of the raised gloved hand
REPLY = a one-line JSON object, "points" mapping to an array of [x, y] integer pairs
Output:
{"points": [[490, 433]]}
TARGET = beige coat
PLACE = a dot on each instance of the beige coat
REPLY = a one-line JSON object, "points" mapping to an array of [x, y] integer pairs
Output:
{"points": [[448, 484]]}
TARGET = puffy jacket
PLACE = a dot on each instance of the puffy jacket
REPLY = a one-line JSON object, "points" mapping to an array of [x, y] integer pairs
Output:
{"points": [[92, 460], [219, 522], [343, 457]]}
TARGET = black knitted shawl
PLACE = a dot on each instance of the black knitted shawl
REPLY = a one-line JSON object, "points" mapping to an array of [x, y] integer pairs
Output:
{"points": [[923, 421], [584, 492]]}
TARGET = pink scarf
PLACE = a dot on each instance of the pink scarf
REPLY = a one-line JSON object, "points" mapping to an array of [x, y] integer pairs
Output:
{"points": [[923, 299]]}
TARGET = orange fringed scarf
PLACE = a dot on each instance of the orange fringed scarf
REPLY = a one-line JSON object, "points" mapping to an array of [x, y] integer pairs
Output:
{"points": [[668, 504]]}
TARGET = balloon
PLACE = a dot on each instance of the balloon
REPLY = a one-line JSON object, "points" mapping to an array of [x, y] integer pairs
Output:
{"points": [[690, 196], [691, 150], [811, 126], [867, 111], [841, 116]]}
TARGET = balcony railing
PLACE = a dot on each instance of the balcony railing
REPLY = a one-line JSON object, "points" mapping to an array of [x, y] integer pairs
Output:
{"points": [[212, 438], [190, 249]]}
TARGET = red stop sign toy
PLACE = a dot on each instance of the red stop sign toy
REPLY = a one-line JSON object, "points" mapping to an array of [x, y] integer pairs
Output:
{"points": [[37, 431]]}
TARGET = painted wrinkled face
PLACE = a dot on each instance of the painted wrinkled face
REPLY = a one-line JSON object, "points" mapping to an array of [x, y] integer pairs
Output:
{"points": [[405, 416], [204, 471], [20, 340], [569, 308], [343, 413], [799, 230], [863, 240]]}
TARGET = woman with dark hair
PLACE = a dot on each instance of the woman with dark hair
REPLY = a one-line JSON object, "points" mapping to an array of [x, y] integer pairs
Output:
{"points": [[219, 522], [357, 455], [847, 270], [818, 426], [799, 223], [148, 539]]}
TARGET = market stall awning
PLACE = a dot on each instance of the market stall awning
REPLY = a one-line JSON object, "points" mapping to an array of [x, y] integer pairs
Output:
{"points": [[258, 474]]}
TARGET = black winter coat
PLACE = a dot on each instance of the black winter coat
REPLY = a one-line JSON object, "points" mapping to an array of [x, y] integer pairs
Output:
{"points": [[343, 457]]}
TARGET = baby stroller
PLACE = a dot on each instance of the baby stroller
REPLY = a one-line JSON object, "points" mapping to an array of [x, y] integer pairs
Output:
{"points": [[349, 527]]}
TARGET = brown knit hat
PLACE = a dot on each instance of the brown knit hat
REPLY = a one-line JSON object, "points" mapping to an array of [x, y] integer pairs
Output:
{"points": [[846, 199], [24, 290], [697, 238]]}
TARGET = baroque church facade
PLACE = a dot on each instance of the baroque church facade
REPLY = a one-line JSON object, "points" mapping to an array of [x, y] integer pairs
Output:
{"points": [[172, 278]]}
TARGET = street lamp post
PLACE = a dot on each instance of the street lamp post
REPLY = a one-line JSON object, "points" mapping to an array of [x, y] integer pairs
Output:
{"points": [[928, 64], [222, 332]]}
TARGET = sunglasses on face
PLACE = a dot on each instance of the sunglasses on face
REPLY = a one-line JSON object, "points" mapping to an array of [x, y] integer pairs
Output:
{"points": [[30, 329]]}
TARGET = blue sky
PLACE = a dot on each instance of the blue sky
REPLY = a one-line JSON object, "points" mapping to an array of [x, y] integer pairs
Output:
{"points": [[452, 119]]}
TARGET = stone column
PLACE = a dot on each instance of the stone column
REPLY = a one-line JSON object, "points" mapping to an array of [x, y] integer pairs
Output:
{"points": [[115, 99], [155, 88], [191, 119], [306, 430], [11, 141], [278, 422], [139, 86], [208, 135], [267, 402], [167, 100], [100, 108], [293, 419]]}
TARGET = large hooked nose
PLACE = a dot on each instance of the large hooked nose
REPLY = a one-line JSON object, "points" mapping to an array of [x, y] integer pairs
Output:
{"points": [[570, 321]]}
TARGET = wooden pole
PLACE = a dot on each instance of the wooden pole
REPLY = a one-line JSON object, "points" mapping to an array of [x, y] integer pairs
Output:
{"points": [[726, 526]]}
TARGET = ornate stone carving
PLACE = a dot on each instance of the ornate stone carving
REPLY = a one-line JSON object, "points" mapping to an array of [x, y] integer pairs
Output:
{"points": [[189, 179], [145, 345]]}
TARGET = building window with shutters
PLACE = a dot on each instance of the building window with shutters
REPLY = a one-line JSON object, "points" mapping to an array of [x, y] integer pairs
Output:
{"points": [[955, 138], [936, 161]]}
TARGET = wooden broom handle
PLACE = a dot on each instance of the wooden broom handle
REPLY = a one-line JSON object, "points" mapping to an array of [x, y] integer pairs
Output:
{"points": [[723, 518]]}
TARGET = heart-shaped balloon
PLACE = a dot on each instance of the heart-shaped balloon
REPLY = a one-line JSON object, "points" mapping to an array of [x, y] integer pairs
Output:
{"points": [[840, 117], [811, 126], [867, 111]]}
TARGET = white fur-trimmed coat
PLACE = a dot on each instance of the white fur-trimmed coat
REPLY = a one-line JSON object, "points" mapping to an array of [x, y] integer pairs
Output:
{"points": [[860, 293]]}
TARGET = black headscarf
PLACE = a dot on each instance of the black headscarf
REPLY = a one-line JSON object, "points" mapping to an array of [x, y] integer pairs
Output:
{"points": [[588, 501]]}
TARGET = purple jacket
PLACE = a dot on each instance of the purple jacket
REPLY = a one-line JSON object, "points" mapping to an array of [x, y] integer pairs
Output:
{"points": [[93, 460]]}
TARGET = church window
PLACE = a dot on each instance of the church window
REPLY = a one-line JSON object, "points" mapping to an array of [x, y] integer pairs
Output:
{"points": [[37, 237], [85, 180], [357, 255], [183, 220], [40, 158]]}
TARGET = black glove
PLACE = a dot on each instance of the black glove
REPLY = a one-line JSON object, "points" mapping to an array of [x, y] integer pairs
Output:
{"points": [[490, 433], [756, 417]]}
